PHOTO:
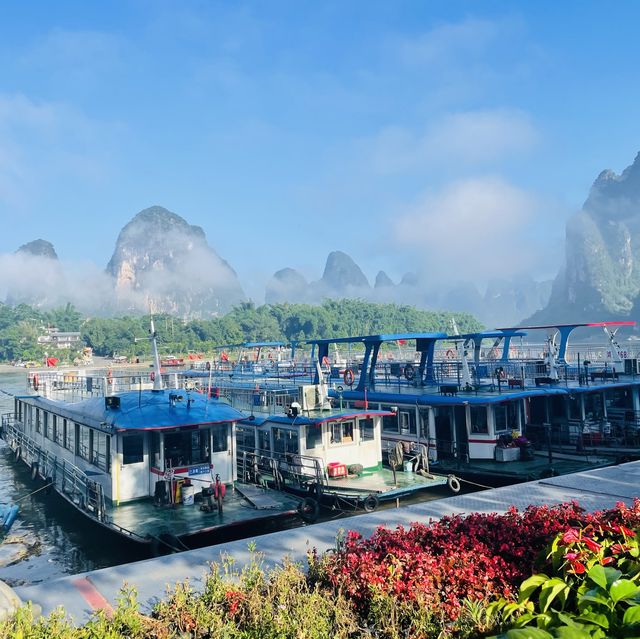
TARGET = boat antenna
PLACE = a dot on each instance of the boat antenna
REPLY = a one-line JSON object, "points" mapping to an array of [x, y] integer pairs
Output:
{"points": [[157, 378]]}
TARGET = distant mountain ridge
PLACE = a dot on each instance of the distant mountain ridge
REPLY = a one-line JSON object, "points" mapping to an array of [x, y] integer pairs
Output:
{"points": [[504, 302], [162, 263]]}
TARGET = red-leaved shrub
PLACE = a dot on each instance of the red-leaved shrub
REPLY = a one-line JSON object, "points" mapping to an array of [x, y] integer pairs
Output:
{"points": [[477, 556]]}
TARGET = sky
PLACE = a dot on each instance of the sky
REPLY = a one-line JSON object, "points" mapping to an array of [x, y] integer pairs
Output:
{"points": [[453, 139]]}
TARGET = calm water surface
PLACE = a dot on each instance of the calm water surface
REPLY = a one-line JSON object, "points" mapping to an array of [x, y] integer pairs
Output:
{"points": [[50, 538]]}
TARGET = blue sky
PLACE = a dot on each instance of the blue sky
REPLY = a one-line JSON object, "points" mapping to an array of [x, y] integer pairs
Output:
{"points": [[449, 138]]}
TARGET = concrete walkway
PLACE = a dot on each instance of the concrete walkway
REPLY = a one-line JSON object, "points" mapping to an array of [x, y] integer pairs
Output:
{"points": [[81, 594]]}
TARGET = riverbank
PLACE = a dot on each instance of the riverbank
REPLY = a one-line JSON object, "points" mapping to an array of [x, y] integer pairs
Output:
{"points": [[82, 594]]}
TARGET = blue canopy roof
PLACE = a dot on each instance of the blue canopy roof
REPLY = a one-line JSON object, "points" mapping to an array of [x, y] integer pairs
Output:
{"points": [[319, 418], [383, 337], [145, 410]]}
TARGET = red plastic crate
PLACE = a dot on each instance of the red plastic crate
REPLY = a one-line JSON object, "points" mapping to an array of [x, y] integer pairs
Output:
{"points": [[336, 469]]}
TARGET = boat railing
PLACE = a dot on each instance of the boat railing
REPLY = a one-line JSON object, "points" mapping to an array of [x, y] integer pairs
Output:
{"points": [[302, 469], [73, 387], [69, 480], [260, 400]]}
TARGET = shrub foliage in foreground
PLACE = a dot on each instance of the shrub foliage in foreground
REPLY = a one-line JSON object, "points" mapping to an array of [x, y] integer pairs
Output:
{"points": [[455, 578]]}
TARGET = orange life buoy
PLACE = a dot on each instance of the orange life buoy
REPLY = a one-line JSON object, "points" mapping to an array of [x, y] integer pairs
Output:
{"points": [[450, 354], [325, 361], [109, 376], [348, 377], [35, 381]]}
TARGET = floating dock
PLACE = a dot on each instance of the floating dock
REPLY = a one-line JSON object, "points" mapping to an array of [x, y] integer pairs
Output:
{"points": [[81, 594]]}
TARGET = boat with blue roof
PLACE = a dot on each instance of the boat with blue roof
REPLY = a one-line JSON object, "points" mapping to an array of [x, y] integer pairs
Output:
{"points": [[493, 407], [153, 466]]}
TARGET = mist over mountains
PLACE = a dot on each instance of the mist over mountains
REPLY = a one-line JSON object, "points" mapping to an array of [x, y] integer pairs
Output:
{"points": [[600, 278], [162, 263]]}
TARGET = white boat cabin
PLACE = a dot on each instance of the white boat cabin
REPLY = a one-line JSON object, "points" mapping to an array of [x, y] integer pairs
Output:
{"points": [[129, 442], [336, 439]]}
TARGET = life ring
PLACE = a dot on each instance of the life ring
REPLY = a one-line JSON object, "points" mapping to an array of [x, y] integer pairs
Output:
{"points": [[325, 361], [409, 372], [501, 373], [35, 381], [348, 377], [370, 503], [34, 471], [450, 354], [454, 483], [309, 509]]}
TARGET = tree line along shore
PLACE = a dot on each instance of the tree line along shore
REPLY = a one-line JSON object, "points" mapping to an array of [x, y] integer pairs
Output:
{"points": [[23, 327]]}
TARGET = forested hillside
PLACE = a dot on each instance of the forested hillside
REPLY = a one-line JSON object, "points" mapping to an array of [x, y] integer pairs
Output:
{"points": [[21, 325]]}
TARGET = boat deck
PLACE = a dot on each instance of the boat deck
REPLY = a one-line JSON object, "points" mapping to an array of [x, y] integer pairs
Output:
{"points": [[180, 520], [522, 470], [381, 482]]}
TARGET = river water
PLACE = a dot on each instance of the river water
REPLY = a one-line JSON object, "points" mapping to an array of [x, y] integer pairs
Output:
{"points": [[49, 539]]}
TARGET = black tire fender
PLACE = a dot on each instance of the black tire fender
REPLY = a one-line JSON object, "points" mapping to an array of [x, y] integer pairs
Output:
{"points": [[370, 503], [17, 454], [34, 471], [309, 509]]}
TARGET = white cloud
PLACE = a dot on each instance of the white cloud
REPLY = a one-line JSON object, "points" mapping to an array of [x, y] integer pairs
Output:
{"points": [[450, 41], [472, 230], [469, 138]]}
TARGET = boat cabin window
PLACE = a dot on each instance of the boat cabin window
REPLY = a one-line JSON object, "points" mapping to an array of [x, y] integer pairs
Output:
{"points": [[154, 451], [285, 441], [60, 427], [220, 438], [341, 432], [593, 406], [558, 408], [479, 419], [38, 424], [389, 422], [18, 410], [84, 441], [100, 453], [133, 448], [366, 429], [314, 436], [407, 422], [186, 448], [54, 427], [45, 422], [245, 438], [619, 398], [69, 435], [264, 440], [506, 416], [574, 407]]}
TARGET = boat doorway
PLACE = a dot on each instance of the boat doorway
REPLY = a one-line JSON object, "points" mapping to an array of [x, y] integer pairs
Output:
{"points": [[444, 433]]}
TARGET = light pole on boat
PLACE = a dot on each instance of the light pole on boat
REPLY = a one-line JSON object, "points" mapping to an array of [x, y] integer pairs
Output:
{"points": [[157, 378]]}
